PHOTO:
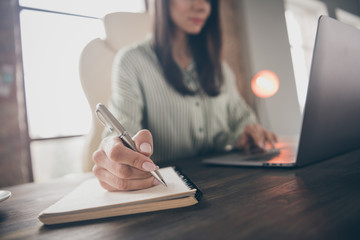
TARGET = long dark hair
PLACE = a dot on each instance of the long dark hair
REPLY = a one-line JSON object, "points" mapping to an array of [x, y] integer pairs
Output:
{"points": [[205, 48]]}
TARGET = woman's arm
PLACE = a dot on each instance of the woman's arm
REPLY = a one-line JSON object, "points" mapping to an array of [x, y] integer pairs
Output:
{"points": [[247, 132], [116, 166], [127, 100]]}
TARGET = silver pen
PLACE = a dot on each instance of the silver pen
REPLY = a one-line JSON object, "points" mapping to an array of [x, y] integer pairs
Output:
{"points": [[108, 120]]}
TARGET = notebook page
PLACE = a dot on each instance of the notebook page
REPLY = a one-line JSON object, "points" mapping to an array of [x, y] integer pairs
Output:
{"points": [[90, 194]]}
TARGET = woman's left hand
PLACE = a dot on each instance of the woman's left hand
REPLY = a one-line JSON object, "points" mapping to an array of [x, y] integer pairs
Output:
{"points": [[255, 136]]}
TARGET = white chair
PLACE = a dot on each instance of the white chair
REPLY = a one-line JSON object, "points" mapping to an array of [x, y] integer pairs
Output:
{"points": [[96, 65]]}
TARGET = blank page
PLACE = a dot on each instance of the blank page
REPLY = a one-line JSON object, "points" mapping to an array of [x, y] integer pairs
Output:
{"points": [[90, 194]]}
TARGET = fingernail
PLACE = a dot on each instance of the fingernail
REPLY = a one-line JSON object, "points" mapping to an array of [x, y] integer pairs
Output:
{"points": [[145, 147], [148, 166], [156, 182]]}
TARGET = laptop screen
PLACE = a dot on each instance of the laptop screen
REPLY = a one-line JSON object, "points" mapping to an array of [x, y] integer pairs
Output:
{"points": [[331, 123]]}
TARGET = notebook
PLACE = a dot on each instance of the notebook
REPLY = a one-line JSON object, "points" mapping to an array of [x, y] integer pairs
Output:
{"points": [[90, 201], [331, 119]]}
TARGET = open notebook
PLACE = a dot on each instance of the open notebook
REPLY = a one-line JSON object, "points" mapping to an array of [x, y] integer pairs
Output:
{"points": [[90, 201]]}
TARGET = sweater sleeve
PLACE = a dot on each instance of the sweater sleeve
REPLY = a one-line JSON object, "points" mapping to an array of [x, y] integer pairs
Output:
{"points": [[126, 102], [239, 112]]}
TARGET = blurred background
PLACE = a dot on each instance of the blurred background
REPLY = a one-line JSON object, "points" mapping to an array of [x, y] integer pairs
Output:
{"points": [[45, 116]]}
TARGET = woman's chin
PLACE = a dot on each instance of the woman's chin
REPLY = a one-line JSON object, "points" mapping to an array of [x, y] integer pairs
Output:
{"points": [[194, 31]]}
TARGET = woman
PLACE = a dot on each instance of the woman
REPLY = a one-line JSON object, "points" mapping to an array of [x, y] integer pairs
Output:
{"points": [[176, 86]]}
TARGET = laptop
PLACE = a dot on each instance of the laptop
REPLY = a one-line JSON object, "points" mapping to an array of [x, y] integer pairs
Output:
{"points": [[331, 118]]}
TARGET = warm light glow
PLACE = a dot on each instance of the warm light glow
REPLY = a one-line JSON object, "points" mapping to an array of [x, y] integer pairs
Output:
{"points": [[265, 84]]}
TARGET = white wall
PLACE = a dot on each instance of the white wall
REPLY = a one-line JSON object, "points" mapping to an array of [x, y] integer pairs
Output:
{"points": [[269, 50]]}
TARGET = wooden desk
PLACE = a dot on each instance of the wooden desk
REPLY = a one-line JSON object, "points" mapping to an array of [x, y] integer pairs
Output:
{"points": [[320, 201]]}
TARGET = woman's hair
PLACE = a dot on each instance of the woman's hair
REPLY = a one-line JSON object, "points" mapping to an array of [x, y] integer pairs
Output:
{"points": [[205, 48]]}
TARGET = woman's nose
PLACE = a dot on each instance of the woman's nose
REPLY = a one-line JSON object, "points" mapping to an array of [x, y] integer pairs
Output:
{"points": [[199, 5]]}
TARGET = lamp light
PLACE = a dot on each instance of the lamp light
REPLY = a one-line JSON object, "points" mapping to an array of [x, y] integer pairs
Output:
{"points": [[265, 84]]}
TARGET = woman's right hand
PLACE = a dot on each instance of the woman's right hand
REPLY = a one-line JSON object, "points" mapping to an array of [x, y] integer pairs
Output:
{"points": [[118, 168]]}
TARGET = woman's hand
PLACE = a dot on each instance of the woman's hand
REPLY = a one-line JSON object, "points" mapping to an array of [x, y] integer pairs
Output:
{"points": [[119, 168], [255, 136]]}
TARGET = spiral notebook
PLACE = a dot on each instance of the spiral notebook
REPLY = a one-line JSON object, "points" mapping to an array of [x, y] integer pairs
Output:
{"points": [[90, 201]]}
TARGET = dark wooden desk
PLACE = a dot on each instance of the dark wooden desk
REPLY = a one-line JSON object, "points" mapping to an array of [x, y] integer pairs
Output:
{"points": [[320, 201]]}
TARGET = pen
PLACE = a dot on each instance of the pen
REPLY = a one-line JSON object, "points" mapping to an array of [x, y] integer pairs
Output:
{"points": [[108, 120]]}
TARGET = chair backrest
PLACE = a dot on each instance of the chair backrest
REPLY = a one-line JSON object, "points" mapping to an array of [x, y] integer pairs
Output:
{"points": [[95, 66]]}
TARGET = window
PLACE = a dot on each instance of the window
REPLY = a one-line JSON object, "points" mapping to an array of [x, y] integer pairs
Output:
{"points": [[91, 8], [347, 17], [301, 21], [51, 48], [53, 34]]}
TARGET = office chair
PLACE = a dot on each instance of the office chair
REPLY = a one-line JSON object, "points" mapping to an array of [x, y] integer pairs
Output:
{"points": [[95, 67]]}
